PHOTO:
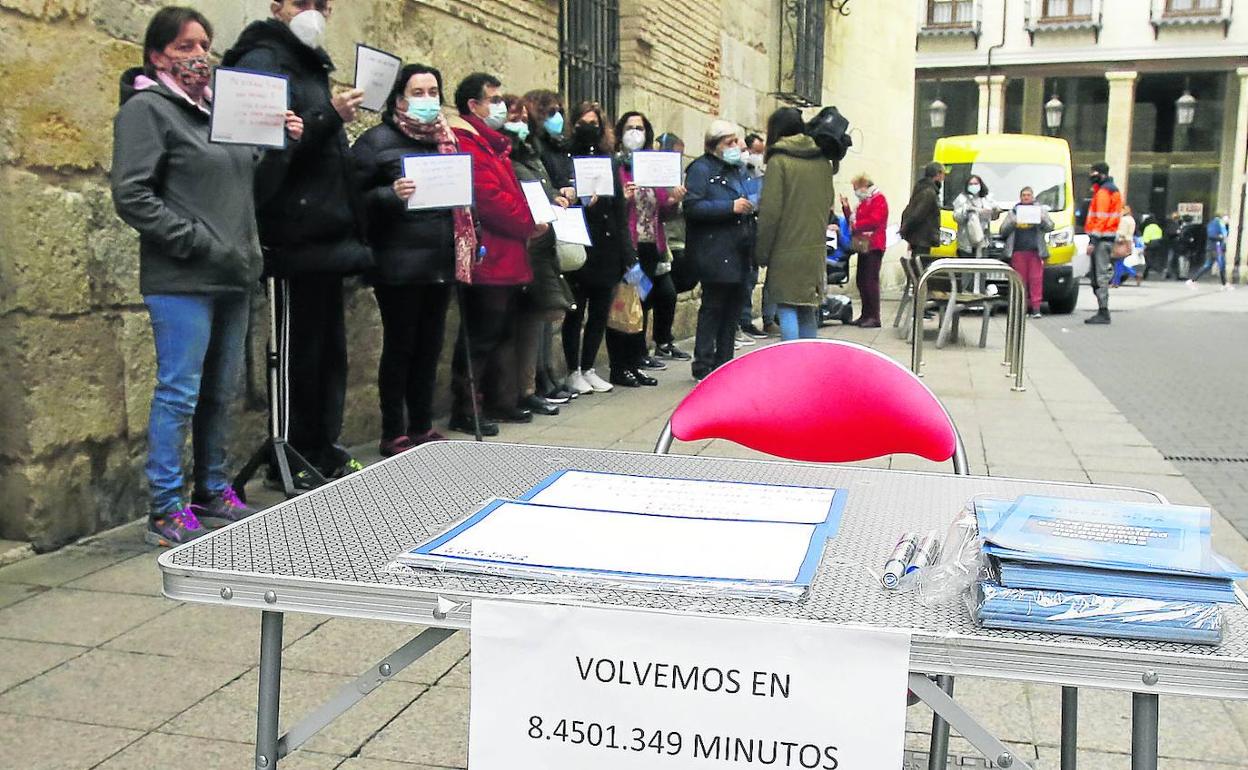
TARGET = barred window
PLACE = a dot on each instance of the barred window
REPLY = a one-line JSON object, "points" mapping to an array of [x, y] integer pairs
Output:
{"points": [[801, 52], [589, 52]]}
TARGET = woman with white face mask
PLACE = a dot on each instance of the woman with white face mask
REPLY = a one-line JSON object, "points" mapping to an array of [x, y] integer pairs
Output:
{"points": [[973, 210], [415, 253]]}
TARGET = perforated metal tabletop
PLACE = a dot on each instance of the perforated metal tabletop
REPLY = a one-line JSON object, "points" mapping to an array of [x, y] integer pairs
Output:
{"points": [[326, 553]]}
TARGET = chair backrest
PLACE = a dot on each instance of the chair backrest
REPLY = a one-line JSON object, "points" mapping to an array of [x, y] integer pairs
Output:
{"points": [[818, 401]]}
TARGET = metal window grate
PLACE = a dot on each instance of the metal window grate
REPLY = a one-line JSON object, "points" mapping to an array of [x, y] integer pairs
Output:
{"points": [[801, 52], [589, 52]]}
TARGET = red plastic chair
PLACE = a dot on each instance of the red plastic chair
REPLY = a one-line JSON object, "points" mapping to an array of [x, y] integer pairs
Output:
{"points": [[823, 401]]}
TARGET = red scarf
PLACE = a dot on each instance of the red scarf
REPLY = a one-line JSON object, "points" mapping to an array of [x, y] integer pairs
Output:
{"points": [[440, 134]]}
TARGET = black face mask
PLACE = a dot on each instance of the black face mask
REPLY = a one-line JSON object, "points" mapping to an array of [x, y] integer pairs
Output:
{"points": [[1096, 178], [587, 134]]}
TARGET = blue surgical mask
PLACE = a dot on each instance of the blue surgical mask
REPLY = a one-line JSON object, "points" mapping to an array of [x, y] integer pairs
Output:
{"points": [[423, 109], [517, 127], [554, 124], [498, 115], [732, 156]]}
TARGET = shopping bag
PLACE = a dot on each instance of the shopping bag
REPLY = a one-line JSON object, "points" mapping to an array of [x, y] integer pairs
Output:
{"points": [[626, 313]]}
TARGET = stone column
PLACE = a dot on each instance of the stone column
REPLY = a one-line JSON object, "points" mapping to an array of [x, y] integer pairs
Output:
{"points": [[1118, 125], [1033, 105], [1239, 174], [991, 90]]}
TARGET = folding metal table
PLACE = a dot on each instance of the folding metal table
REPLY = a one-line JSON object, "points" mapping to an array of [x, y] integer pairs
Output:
{"points": [[326, 553]]}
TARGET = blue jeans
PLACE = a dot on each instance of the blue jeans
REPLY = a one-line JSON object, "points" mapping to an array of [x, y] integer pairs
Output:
{"points": [[1215, 255], [798, 322], [200, 339]]}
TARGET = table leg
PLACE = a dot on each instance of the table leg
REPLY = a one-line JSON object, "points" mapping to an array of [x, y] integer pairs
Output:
{"points": [[1070, 727], [938, 751], [270, 690], [1143, 731]]}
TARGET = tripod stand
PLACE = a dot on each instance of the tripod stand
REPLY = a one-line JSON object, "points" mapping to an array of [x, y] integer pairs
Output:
{"points": [[275, 450]]}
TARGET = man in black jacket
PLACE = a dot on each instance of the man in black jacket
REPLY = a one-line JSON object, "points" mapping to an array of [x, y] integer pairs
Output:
{"points": [[920, 221], [311, 225]]}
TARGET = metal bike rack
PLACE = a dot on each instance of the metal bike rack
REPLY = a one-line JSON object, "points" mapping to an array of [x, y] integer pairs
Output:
{"points": [[1015, 325]]}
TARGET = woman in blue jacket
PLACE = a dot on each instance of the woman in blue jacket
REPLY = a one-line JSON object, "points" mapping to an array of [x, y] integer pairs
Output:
{"points": [[721, 226]]}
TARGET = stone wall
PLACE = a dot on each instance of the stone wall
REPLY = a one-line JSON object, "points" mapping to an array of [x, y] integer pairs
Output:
{"points": [[76, 357]]}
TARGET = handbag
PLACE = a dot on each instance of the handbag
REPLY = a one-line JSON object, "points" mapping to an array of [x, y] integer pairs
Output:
{"points": [[860, 243], [626, 312], [1122, 249], [975, 229], [572, 256]]}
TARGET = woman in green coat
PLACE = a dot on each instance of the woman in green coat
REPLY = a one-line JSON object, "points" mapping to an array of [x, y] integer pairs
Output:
{"points": [[792, 224]]}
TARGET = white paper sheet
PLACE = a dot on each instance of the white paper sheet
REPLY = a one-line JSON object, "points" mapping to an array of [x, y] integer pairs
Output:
{"points": [[1028, 215], [594, 176], [539, 204], [442, 181], [375, 72], [570, 225], [542, 536], [687, 498], [249, 108], [656, 169]]}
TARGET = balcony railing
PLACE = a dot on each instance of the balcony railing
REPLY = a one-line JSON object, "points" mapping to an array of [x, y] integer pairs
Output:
{"points": [[944, 19], [1063, 15], [1191, 13]]}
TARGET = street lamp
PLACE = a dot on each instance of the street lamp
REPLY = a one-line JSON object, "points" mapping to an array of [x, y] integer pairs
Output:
{"points": [[936, 113], [1185, 105], [1053, 109]]}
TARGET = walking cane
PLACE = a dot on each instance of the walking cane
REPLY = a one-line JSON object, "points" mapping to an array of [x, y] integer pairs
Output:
{"points": [[472, 379]]}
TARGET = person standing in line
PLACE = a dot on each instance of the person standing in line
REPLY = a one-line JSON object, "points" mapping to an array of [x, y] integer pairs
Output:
{"points": [[754, 160], [312, 227], [501, 266], [193, 204], [1173, 229], [974, 210], [721, 230], [415, 255], [793, 223], [870, 221], [1154, 240], [594, 284], [1027, 248], [547, 298], [1104, 216], [920, 220], [1125, 243], [1215, 252], [676, 268]]}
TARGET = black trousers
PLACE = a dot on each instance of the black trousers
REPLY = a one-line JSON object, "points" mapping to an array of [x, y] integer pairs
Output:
{"points": [[413, 322], [488, 314], [593, 305], [312, 313], [718, 318], [662, 300]]}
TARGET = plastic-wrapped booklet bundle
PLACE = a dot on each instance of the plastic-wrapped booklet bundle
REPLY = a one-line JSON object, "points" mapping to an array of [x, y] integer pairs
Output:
{"points": [[1056, 612]]}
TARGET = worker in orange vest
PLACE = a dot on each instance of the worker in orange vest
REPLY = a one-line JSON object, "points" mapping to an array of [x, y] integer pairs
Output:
{"points": [[1101, 225]]}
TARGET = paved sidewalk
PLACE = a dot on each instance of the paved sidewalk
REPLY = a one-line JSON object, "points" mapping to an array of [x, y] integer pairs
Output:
{"points": [[98, 670]]}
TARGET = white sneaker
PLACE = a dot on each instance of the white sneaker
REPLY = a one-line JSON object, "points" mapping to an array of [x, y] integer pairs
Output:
{"points": [[1228, 287], [576, 383], [1189, 283], [596, 383]]}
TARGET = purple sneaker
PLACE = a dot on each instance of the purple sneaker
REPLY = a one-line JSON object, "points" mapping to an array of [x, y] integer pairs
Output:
{"points": [[224, 509], [174, 528]]}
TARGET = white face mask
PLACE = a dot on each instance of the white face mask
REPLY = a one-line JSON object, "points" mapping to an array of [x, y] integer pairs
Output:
{"points": [[863, 193], [309, 27], [634, 139], [498, 115], [973, 189]]}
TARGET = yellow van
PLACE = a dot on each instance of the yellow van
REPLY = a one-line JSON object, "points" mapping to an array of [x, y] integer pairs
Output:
{"points": [[1007, 163]]}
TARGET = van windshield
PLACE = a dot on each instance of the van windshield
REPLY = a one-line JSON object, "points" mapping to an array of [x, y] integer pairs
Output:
{"points": [[1004, 180]]}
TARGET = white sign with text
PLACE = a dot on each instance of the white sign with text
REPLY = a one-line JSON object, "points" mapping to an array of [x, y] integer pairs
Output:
{"points": [[249, 108], [557, 688]]}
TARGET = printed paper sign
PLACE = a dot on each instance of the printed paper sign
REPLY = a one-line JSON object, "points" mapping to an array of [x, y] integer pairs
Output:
{"points": [[442, 181], [656, 169], [249, 108], [1028, 215], [594, 176], [1191, 209], [539, 204], [375, 72], [566, 688], [570, 225]]}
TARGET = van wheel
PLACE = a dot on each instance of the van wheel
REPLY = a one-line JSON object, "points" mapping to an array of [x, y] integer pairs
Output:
{"points": [[1065, 304]]}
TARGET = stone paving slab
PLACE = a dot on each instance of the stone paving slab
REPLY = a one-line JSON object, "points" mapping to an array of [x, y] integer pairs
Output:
{"points": [[159, 751], [50, 744]]}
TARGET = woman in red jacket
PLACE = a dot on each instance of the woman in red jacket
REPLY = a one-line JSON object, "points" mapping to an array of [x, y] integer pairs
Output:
{"points": [[871, 220]]}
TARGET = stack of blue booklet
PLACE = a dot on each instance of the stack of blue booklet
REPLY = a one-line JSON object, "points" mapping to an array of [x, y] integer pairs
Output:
{"points": [[1129, 570]]}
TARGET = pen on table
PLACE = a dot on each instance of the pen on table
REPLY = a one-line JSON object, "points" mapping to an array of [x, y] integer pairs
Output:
{"points": [[896, 565]]}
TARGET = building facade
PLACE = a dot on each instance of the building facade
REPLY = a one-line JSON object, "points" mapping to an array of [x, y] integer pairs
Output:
{"points": [[1155, 87], [75, 343]]}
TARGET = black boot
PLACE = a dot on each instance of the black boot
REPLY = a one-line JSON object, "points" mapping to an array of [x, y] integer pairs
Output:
{"points": [[1101, 317]]}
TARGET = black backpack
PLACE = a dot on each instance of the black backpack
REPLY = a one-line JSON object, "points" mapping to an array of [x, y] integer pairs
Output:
{"points": [[830, 130]]}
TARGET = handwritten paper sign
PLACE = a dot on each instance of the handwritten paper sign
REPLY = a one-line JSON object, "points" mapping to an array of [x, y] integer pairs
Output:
{"points": [[442, 181], [249, 108], [594, 176], [565, 688], [375, 72], [1028, 215], [570, 226], [539, 204], [656, 169]]}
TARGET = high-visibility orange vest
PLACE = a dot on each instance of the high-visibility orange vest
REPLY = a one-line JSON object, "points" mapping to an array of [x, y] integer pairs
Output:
{"points": [[1105, 213]]}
